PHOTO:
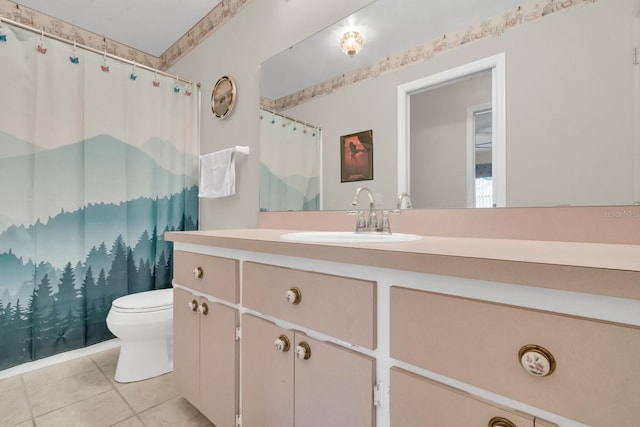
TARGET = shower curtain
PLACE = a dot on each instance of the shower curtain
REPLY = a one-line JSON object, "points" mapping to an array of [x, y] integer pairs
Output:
{"points": [[97, 159], [290, 164]]}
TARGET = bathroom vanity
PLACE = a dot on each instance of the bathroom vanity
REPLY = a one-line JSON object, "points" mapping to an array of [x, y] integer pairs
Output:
{"points": [[438, 331]]}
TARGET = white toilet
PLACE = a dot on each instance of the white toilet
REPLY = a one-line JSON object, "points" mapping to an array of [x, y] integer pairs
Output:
{"points": [[144, 324]]}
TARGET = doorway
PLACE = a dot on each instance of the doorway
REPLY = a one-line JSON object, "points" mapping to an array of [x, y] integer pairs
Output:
{"points": [[455, 190]]}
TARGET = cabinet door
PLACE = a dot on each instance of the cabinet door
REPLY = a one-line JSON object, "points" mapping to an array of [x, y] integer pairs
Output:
{"points": [[333, 387], [267, 375], [218, 363], [420, 402], [186, 338]]}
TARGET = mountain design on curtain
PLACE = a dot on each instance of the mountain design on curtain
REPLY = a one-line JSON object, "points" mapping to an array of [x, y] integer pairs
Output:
{"points": [[61, 302], [94, 168], [290, 161]]}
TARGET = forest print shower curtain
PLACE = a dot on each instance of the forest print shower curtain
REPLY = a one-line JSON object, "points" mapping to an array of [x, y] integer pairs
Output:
{"points": [[97, 160]]}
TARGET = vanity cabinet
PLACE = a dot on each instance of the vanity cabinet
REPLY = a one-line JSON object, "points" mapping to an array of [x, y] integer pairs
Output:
{"points": [[206, 356], [206, 351], [582, 369], [417, 334], [292, 380], [418, 402]]}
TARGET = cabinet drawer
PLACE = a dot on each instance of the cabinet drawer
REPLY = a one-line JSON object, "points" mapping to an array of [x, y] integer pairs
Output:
{"points": [[338, 306], [211, 275], [596, 378], [418, 402]]}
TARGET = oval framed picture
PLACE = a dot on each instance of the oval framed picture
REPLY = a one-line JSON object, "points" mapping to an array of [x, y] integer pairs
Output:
{"points": [[223, 97]]}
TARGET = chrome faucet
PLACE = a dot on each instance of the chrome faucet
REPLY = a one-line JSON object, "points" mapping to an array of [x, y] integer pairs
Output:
{"points": [[404, 196], [371, 223]]}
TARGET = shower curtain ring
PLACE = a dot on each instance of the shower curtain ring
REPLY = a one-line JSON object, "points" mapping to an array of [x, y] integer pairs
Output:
{"points": [[176, 88], [74, 55], [104, 67], [41, 48], [3, 36], [156, 82]]}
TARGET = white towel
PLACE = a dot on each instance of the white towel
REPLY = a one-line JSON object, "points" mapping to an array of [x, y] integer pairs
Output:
{"points": [[218, 172]]}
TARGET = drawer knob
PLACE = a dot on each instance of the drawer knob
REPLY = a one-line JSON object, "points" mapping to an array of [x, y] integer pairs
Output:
{"points": [[303, 351], [537, 360], [294, 296], [193, 305], [282, 344], [500, 422], [198, 272], [203, 309]]}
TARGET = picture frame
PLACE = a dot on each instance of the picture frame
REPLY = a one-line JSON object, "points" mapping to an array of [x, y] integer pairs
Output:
{"points": [[356, 156]]}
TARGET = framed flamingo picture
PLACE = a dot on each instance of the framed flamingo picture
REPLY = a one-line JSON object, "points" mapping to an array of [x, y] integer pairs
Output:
{"points": [[356, 156]]}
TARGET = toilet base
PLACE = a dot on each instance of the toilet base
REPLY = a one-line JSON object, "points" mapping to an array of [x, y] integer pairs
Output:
{"points": [[141, 360]]}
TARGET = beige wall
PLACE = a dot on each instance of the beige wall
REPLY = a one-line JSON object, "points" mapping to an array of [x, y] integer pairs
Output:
{"points": [[262, 29]]}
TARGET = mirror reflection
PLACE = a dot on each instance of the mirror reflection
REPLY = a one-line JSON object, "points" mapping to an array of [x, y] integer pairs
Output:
{"points": [[450, 144], [571, 100]]}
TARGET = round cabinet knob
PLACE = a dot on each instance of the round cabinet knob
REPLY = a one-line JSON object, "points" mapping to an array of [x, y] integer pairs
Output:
{"points": [[198, 272], [203, 309], [537, 360], [193, 305], [282, 343], [294, 296], [500, 422], [303, 351]]}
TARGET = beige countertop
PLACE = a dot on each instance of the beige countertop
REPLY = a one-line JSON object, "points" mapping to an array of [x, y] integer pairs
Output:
{"points": [[596, 268], [593, 268], [578, 254]]}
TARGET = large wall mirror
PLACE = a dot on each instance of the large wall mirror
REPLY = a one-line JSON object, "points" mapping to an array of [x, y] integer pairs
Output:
{"points": [[571, 96]]}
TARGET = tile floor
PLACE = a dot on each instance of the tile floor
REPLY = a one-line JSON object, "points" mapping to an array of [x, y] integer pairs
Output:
{"points": [[82, 393]]}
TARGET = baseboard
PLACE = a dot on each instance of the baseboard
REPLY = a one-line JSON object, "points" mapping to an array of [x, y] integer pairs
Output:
{"points": [[59, 358]]}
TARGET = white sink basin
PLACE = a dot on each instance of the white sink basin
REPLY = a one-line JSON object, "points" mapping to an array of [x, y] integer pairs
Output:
{"points": [[347, 237]]}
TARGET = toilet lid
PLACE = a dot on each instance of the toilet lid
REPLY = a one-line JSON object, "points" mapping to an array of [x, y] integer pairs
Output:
{"points": [[156, 300]]}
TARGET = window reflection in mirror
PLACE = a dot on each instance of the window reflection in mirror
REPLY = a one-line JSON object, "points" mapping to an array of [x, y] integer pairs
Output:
{"points": [[481, 136]]}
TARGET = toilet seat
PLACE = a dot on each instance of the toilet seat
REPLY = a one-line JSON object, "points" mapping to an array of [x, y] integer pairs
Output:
{"points": [[143, 302]]}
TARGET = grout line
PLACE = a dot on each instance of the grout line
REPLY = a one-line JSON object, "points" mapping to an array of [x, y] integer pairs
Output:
{"points": [[26, 398]]}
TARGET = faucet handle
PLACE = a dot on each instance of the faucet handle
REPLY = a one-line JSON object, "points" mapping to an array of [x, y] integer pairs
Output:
{"points": [[361, 223], [373, 220], [385, 225]]}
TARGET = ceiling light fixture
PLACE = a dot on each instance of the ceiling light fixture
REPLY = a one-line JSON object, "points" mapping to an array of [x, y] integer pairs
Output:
{"points": [[351, 43]]}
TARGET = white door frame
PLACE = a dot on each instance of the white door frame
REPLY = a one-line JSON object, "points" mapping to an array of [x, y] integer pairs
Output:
{"points": [[496, 64]]}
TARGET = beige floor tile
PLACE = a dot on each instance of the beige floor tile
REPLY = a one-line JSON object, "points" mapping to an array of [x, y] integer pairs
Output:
{"points": [[176, 412], [142, 395], [14, 407], [110, 372], [131, 422], [53, 373], [66, 391], [103, 410], [11, 383], [107, 357], [28, 423]]}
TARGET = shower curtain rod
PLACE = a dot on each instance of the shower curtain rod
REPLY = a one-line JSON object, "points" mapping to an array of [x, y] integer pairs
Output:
{"points": [[291, 118], [90, 49]]}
